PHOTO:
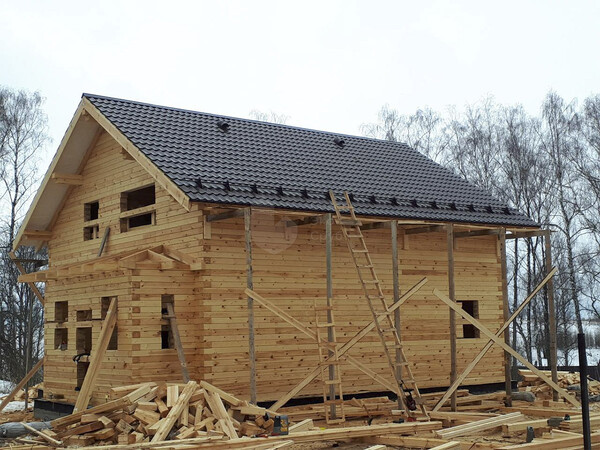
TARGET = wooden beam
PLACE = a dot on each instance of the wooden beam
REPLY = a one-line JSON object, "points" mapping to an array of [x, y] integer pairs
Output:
{"points": [[22, 383], [429, 229], [97, 355], [23, 273], [475, 233], [478, 426], [307, 221], [177, 342], [225, 215], [489, 344], [67, 178], [38, 234], [505, 316], [345, 347], [526, 234], [376, 225], [570, 398], [452, 294], [551, 313], [250, 302]]}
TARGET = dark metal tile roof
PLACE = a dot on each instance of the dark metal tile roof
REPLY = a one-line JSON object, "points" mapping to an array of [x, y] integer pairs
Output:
{"points": [[270, 165]]}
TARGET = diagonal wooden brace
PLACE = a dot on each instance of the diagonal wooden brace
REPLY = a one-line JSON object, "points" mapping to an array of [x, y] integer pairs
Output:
{"points": [[490, 343], [485, 330], [341, 351]]}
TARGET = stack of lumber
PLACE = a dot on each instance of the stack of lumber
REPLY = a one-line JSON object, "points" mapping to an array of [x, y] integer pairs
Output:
{"points": [[151, 412], [479, 425], [531, 382], [466, 401], [353, 409], [20, 396]]}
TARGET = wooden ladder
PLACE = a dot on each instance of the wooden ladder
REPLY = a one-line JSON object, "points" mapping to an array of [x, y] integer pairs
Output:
{"points": [[408, 391], [329, 364]]}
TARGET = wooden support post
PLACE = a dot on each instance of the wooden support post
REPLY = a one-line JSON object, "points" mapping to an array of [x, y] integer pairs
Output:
{"points": [[396, 284], [551, 313], [506, 315], [250, 285], [177, 341], [452, 295], [329, 276], [22, 383], [98, 351]]}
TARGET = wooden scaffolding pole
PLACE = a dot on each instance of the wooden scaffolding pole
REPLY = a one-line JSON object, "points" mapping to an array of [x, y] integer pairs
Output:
{"points": [[551, 313], [506, 315], [395, 280], [330, 337], [452, 296], [250, 285]]}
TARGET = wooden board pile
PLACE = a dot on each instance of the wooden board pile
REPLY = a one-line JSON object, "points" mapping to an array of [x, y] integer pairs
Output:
{"points": [[531, 382], [20, 396], [153, 412]]}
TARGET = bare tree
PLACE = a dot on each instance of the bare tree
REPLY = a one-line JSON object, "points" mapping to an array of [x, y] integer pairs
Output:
{"points": [[270, 116], [23, 136]]}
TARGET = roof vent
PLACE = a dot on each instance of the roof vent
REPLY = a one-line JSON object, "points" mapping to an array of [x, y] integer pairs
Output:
{"points": [[394, 201], [471, 207], [453, 206], [339, 142], [414, 203], [227, 186], [351, 197], [489, 209], [506, 210], [255, 188], [304, 193], [434, 205], [280, 191], [199, 183], [223, 126], [372, 199]]}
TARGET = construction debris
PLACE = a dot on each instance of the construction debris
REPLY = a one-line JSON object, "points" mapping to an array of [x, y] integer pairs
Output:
{"points": [[567, 380]]}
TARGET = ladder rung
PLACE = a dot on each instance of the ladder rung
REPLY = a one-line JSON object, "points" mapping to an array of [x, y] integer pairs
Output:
{"points": [[404, 364], [332, 382], [359, 251], [333, 362], [365, 266], [387, 330], [326, 324], [333, 402], [372, 281], [329, 345], [354, 235], [334, 421], [407, 381]]}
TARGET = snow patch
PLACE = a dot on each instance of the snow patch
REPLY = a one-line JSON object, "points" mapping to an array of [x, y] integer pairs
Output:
{"points": [[14, 406]]}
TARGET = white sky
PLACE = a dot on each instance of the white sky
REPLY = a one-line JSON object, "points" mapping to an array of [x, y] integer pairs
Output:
{"points": [[328, 65]]}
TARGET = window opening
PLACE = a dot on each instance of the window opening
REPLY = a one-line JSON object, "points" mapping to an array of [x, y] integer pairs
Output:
{"points": [[61, 311], [84, 315], [166, 333], [91, 211], [471, 307], [61, 338]]}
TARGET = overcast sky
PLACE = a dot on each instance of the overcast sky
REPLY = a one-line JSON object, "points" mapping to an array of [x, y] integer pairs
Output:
{"points": [[327, 65]]}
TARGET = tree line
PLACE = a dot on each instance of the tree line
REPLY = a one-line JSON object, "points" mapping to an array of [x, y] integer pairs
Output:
{"points": [[547, 165]]}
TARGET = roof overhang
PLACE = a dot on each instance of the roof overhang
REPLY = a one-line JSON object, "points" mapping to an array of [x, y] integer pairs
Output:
{"points": [[83, 131]]}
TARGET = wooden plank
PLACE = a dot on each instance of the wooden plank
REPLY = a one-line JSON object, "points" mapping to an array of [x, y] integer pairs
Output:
{"points": [[177, 341], [396, 298], [67, 178], [571, 399], [225, 215], [330, 337], [97, 355], [104, 241], [452, 295], [233, 401], [44, 436], [490, 343], [182, 402], [478, 426], [22, 383], [218, 409], [113, 405], [554, 444], [250, 302]]}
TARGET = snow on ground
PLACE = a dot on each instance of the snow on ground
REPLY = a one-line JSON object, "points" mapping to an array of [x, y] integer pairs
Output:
{"points": [[5, 387], [14, 406]]}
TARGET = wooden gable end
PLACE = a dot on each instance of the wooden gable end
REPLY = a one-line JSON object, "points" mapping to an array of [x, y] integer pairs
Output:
{"points": [[99, 202]]}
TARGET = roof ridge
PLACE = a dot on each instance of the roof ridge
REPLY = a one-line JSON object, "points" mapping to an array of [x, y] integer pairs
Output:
{"points": [[243, 119]]}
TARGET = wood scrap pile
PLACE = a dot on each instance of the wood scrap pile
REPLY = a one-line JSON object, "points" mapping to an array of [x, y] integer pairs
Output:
{"points": [[20, 395], [568, 380], [153, 412]]}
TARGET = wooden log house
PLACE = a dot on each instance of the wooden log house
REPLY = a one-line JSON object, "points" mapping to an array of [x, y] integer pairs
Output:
{"points": [[151, 206]]}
